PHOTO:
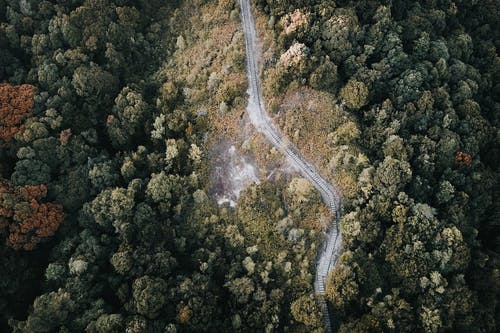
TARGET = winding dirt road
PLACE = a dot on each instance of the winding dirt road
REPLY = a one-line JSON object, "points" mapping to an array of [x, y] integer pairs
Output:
{"points": [[332, 247]]}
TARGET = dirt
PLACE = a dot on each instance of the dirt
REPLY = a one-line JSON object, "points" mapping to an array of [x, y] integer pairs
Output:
{"points": [[232, 171]]}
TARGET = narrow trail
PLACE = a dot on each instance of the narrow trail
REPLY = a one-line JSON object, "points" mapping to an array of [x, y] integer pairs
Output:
{"points": [[330, 251]]}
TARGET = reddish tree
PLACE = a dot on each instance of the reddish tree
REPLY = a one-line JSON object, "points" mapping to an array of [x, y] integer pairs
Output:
{"points": [[64, 136], [16, 104], [463, 159], [24, 217]]}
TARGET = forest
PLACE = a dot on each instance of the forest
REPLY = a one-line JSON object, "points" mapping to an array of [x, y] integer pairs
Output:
{"points": [[420, 81], [107, 220]]}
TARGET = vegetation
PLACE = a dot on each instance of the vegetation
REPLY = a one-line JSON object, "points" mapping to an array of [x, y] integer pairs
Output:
{"points": [[412, 144], [15, 106], [107, 108], [28, 222], [105, 221]]}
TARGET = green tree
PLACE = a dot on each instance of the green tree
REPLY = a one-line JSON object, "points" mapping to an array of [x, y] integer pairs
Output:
{"points": [[149, 295], [126, 118], [306, 310], [355, 94], [50, 312], [94, 83], [342, 288]]}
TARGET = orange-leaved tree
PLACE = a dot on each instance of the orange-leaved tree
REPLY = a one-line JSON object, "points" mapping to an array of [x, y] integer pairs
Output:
{"points": [[16, 104], [463, 159], [24, 217]]}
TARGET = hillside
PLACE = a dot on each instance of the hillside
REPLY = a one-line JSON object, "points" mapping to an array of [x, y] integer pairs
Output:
{"points": [[137, 194]]}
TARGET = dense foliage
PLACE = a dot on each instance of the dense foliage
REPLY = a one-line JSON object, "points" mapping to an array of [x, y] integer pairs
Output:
{"points": [[105, 220], [28, 222], [16, 104], [421, 79]]}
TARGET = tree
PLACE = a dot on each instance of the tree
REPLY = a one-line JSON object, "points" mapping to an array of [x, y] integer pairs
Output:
{"points": [[112, 207], [30, 172], [50, 312], [337, 33], [149, 295], [342, 287], [16, 104], [241, 289], [325, 76], [126, 117], [295, 59], [27, 219], [464, 159], [94, 83], [48, 76], [164, 190], [392, 176], [355, 94], [102, 175], [306, 310], [107, 323]]}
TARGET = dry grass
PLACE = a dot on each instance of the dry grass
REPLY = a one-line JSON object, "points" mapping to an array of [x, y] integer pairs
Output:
{"points": [[307, 118], [310, 119], [209, 63], [213, 42], [214, 45]]}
